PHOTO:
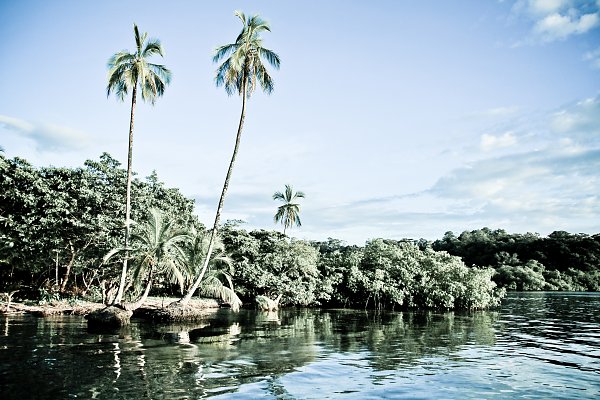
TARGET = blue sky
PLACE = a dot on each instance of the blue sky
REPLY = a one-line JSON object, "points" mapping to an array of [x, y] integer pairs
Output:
{"points": [[396, 118]]}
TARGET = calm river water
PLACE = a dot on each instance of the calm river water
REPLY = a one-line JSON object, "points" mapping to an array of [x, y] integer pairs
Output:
{"points": [[537, 345]]}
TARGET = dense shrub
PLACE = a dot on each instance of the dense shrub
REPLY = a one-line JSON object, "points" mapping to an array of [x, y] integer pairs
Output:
{"points": [[399, 274]]}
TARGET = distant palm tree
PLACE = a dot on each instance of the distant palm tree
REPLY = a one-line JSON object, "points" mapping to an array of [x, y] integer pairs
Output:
{"points": [[240, 73], [126, 72], [288, 212]]}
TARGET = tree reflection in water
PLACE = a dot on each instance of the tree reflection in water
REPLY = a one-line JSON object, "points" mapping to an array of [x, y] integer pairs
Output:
{"points": [[227, 350]]}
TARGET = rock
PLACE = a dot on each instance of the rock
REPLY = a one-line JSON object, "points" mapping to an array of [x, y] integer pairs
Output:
{"points": [[109, 317], [267, 304], [178, 312]]}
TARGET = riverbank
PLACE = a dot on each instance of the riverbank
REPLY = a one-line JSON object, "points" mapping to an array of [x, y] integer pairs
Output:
{"points": [[150, 307]]}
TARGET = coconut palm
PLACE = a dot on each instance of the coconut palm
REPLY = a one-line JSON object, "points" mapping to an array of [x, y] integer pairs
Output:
{"points": [[288, 212], [127, 72], [156, 248], [241, 71], [217, 282]]}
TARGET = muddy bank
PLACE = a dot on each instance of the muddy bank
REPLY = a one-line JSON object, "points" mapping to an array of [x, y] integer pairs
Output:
{"points": [[50, 309], [149, 310]]}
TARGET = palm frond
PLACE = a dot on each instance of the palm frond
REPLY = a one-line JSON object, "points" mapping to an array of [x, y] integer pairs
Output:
{"points": [[271, 57], [213, 287], [240, 15], [153, 47], [263, 77], [107, 258], [224, 51]]}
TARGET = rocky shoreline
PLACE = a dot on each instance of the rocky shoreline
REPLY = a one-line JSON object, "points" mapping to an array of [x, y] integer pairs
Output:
{"points": [[154, 308]]}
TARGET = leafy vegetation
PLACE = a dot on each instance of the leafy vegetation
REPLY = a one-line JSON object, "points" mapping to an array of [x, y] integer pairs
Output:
{"points": [[561, 261], [67, 223]]}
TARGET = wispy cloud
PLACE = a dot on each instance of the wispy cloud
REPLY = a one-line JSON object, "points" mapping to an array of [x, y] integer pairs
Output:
{"points": [[47, 137], [593, 57], [551, 183], [491, 142], [555, 20]]}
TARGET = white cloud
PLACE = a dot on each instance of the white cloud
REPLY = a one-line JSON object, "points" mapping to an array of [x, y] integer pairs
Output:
{"points": [[546, 6], [47, 137], [555, 20], [556, 26], [491, 142]]}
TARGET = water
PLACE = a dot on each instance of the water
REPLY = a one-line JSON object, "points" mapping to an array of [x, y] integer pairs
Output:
{"points": [[538, 345]]}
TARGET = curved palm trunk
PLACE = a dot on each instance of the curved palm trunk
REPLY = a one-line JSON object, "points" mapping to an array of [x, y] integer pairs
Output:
{"points": [[141, 300], [213, 233], [119, 297]]}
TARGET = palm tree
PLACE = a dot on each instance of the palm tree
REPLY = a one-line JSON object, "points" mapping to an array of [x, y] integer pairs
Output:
{"points": [[240, 72], [157, 247], [126, 72], [288, 212], [217, 282]]}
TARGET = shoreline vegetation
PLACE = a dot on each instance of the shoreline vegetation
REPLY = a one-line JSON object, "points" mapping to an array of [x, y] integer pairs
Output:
{"points": [[60, 225]]}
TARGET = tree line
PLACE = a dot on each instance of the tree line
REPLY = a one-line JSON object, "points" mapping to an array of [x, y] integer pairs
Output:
{"points": [[65, 229], [61, 232], [560, 261]]}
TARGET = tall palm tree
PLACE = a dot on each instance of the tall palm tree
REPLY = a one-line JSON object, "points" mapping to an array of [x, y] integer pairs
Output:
{"points": [[240, 72], [127, 72], [288, 212]]}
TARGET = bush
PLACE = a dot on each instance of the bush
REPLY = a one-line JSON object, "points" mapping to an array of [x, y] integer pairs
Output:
{"points": [[400, 274]]}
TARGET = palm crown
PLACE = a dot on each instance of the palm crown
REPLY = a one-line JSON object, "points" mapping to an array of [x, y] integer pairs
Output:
{"points": [[244, 59], [127, 70], [288, 213]]}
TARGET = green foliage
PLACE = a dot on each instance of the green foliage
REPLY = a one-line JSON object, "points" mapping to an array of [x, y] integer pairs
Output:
{"points": [[383, 274], [399, 274], [79, 212], [266, 263], [76, 214], [561, 261], [48, 296]]}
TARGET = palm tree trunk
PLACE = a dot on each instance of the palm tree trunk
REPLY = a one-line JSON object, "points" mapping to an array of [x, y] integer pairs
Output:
{"points": [[119, 296], [213, 233], [141, 300], [63, 287]]}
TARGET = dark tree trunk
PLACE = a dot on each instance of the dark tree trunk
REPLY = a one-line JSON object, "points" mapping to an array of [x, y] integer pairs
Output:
{"points": [[119, 297], [213, 233], [63, 286]]}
